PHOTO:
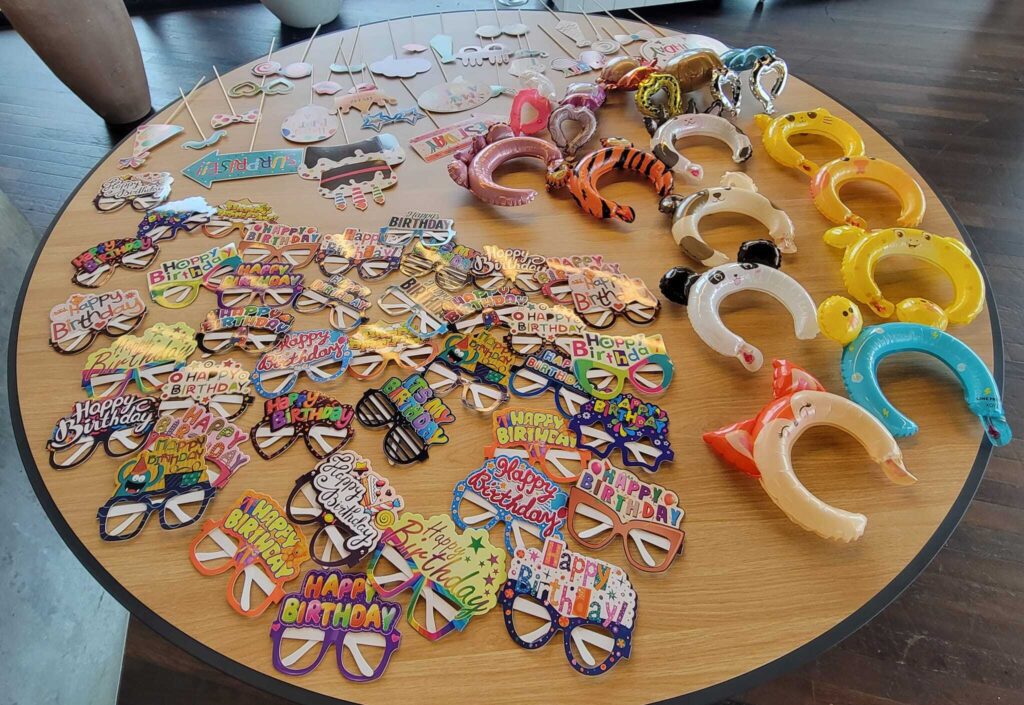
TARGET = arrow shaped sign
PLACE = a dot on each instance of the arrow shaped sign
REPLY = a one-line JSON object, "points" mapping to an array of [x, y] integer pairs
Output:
{"points": [[213, 167]]}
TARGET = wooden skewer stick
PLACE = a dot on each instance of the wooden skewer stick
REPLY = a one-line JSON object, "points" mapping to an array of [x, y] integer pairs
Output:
{"points": [[553, 13], [223, 90], [394, 47], [259, 119], [416, 102], [344, 130], [309, 44], [560, 45], [590, 22], [351, 55], [340, 45], [181, 106], [191, 114], [622, 47], [651, 26], [614, 19]]}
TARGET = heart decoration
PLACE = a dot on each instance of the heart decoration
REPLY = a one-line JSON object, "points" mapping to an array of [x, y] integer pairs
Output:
{"points": [[278, 86], [245, 89], [583, 117]]}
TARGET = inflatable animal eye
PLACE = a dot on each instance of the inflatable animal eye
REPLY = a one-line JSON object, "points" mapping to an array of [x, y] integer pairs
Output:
{"points": [[761, 61], [761, 447], [775, 134], [737, 194], [862, 356], [664, 138], [703, 294], [864, 250], [473, 167], [831, 177], [615, 154]]}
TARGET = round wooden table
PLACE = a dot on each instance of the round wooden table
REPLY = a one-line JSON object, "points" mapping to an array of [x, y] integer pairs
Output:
{"points": [[753, 595]]}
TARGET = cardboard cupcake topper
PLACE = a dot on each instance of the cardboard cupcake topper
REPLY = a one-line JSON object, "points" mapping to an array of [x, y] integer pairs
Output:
{"points": [[348, 301], [412, 414], [550, 368], [603, 363], [321, 354], [456, 574], [510, 490], [542, 437], [75, 323], [266, 242], [323, 422], [638, 429], [176, 283], [363, 250], [590, 601], [350, 505], [145, 359], [450, 263], [143, 191], [94, 266], [258, 545], [356, 178], [268, 284], [375, 345], [168, 478], [336, 608], [221, 386], [431, 229], [166, 221], [221, 438], [235, 215], [607, 502], [120, 424], [249, 328]]}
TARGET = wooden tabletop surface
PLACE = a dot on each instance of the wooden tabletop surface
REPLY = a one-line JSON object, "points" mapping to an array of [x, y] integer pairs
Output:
{"points": [[751, 586]]}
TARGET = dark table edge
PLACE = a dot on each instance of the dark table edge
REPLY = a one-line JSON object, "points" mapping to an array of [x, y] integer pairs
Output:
{"points": [[705, 696]]}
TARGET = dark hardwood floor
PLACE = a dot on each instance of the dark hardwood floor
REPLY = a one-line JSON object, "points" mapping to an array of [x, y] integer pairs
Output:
{"points": [[942, 78]]}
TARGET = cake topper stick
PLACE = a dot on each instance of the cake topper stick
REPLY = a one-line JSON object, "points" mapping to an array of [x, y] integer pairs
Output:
{"points": [[569, 29], [391, 33], [223, 90], [181, 106], [413, 96], [309, 44], [614, 19], [440, 65], [259, 118], [344, 130], [560, 45], [206, 141], [622, 47], [338, 53], [651, 26]]}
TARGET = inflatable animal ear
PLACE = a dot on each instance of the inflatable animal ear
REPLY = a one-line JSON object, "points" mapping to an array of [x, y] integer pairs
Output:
{"points": [[763, 252], [675, 284]]}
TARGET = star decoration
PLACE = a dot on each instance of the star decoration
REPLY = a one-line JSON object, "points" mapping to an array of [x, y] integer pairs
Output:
{"points": [[476, 544], [377, 121], [488, 580], [494, 560]]}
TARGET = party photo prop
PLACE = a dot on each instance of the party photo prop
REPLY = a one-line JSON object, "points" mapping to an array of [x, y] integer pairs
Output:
{"points": [[444, 141], [236, 215], [166, 221], [214, 166], [423, 304], [477, 362], [375, 345], [452, 576], [455, 96], [533, 325], [603, 363], [317, 160], [829, 180], [412, 414], [451, 264], [549, 369], [863, 250], [379, 120], [590, 601], [321, 354], [120, 424], [776, 133], [429, 228], [600, 295], [176, 283], [347, 300], [148, 138], [362, 250], [865, 348], [349, 504], [220, 386], [248, 328], [362, 97], [323, 422], [702, 294], [405, 67], [761, 447], [737, 194], [467, 311], [76, 322], [142, 191], [96, 265], [168, 477], [265, 284], [665, 136], [508, 267], [145, 360], [636, 428], [339, 609], [511, 491], [607, 502], [276, 242], [258, 545], [356, 178], [541, 437], [220, 437], [310, 123]]}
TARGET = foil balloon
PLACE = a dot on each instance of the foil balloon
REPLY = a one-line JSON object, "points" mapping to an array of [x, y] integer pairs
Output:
{"points": [[541, 107], [664, 138], [473, 168], [761, 447], [616, 154], [702, 294], [625, 73], [761, 61], [776, 132], [539, 82], [864, 349], [737, 194], [864, 250], [697, 69], [834, 175], [579, 106], [659, 97]]}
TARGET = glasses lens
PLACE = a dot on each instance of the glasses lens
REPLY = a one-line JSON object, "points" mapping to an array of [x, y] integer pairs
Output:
{"points": [[334, 264], [599, 319], [235, 296], [568, 401], [328, 548], [298, 650], [414, 358], [649, 550], [177, 295], [215, 552], [326, 439], [345, 318], [530, 621], [473, 511], [253, 590], [106, 383], [403, 445], [527, 383], [651, 377], [376, 268], [364, 655], [270, 444], [252, 253], [230, 406], [591, 646], [74, 454], [123, 442], [366, 365], [123, 518], [484, 397], [389, 570], [589, 525], [185, 507], [375, 409], [434, 612], [310, 301]]}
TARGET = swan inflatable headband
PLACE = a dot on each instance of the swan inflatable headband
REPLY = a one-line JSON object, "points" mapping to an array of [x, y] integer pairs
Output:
{"points": [[756, 270], [865, 348], [761, 447], [864, 250]]}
